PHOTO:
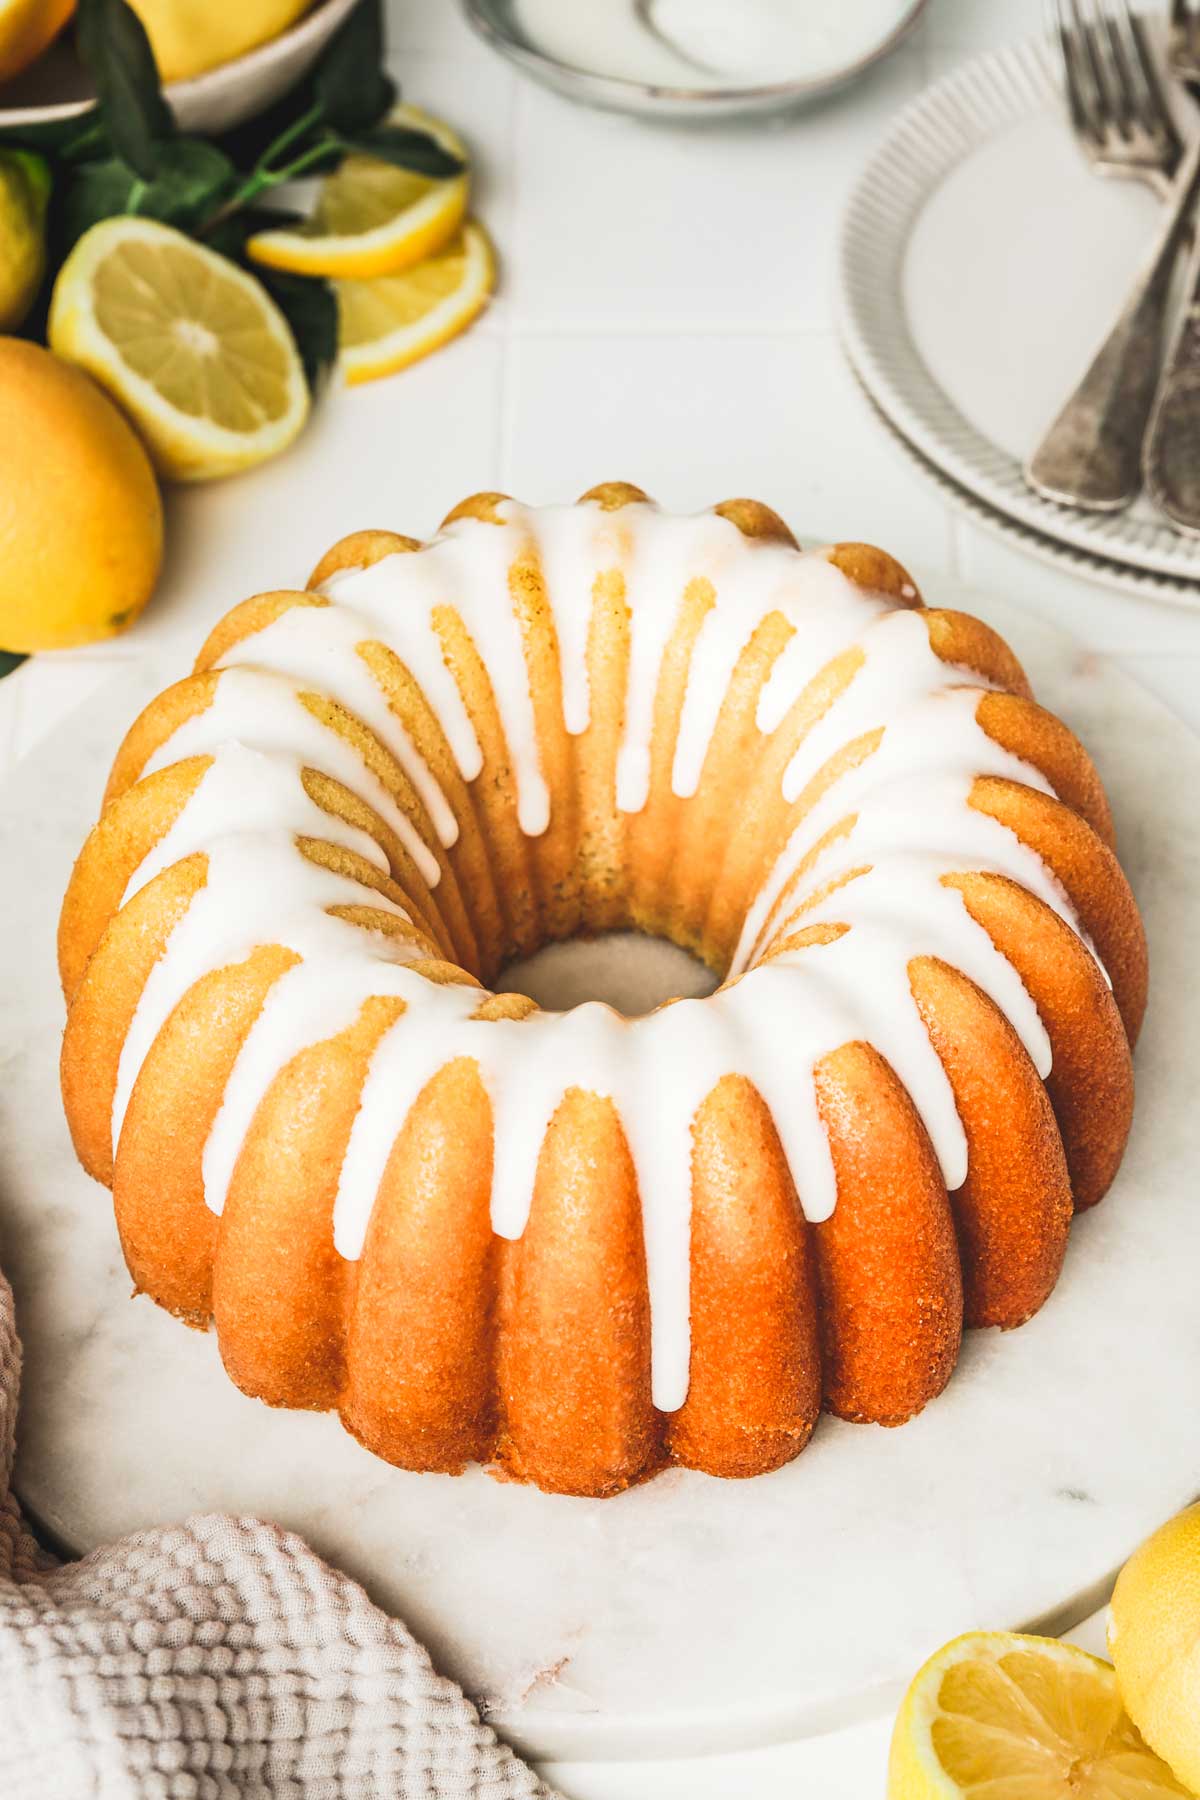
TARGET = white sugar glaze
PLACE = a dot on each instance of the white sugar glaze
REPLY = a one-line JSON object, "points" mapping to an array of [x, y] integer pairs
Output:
{"points": [[902, 816]]}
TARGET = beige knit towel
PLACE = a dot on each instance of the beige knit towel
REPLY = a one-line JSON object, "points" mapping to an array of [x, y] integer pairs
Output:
{"points": [[214, 1659]]}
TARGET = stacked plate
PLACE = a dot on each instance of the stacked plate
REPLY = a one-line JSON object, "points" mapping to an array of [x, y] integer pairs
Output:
{"points": [[982, 264]]}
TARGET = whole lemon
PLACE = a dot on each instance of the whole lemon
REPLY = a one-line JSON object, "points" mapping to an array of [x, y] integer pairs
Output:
{"points": [[190, 36], [24, 192], [1154, 1641], [80, 514], [26, 27]]}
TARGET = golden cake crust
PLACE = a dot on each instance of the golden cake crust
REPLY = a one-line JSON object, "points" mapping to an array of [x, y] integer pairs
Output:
{"points": [[442, 1342]]}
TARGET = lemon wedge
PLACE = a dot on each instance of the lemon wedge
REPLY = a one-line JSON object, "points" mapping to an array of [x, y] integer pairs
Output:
{"points": [[997, 1716], [386, 324], [1154, 1640], [193, 348], [372, 218]]}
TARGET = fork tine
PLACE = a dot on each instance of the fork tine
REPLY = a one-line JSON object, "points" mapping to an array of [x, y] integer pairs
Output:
{"points": [[1121, 85], [1083, 117], [1161, 119], [1103, 106]]}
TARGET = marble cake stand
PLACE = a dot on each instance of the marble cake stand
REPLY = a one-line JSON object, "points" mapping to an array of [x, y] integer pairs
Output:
{"points": [[690, 1615]]}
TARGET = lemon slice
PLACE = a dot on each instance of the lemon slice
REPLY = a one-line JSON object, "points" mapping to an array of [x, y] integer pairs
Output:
{"points": [[386, 324], [372, 218], [996, 1716], [192, 347]]}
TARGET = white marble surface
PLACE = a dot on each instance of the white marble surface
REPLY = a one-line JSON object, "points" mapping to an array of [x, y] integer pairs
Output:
{"points": [[665, 317], [690, 1614]]}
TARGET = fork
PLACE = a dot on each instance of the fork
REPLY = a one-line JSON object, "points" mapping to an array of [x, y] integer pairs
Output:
{"points": [[1091, 456], [1171, 461]]}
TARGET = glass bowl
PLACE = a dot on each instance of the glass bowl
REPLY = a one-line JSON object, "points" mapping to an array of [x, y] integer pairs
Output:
{"points": [[496, 22]]}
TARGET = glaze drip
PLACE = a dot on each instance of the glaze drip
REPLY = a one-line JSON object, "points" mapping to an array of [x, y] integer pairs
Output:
{"points": [[854, 895]]}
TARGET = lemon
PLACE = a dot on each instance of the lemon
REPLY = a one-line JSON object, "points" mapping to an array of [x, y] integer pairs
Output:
{"points": [[190, 36], [372, 218], [24, 192], [1003, 1717], [26, 27], [386, 324], [1154, 1640], [193, 348], [80, 514]]}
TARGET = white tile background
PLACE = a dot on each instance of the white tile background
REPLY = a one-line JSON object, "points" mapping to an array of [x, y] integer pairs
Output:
{"points": [[665, 317]]}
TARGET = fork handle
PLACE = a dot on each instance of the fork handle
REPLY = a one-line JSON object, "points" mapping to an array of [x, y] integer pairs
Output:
{"points": [[1172, 456], [1092, 454]]}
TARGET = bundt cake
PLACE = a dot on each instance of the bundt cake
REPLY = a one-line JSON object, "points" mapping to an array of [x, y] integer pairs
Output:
{"points": [[574, 1246]]}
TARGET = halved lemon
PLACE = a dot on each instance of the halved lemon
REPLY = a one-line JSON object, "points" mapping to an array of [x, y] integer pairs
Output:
{"points": [[386, 324], [192, 347], [372, 218], [998, 1716]]}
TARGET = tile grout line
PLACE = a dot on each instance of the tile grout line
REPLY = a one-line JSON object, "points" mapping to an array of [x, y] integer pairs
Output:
{"points": [[607, 328]]}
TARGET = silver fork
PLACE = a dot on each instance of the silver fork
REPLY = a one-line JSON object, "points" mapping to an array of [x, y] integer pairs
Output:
{"points": [[1092, 454], [1171, 461], [1119, 111]]}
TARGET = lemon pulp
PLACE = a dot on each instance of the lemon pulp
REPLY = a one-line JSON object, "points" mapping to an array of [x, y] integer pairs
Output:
{"points": [[996, 1716], [191, 346], [200, 341]]}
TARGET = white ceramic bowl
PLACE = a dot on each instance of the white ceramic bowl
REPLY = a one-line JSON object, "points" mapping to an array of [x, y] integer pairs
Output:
{"points": [[57, 86]]}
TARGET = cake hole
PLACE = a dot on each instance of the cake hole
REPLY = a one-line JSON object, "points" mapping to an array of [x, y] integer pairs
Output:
{"points": [[628, 970]]}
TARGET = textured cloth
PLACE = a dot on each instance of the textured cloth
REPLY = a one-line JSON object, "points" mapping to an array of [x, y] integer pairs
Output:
{"points": [[214, 1659]]}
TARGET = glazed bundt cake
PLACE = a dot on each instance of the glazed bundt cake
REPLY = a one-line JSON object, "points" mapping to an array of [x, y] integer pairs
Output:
{"points": [[574, 1246]]}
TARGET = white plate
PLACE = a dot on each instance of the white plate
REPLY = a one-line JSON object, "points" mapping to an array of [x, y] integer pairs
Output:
{"points": [[981, 265], [1170, 589]]}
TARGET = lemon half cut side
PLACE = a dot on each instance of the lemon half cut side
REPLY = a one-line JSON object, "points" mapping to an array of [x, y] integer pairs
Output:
{"points": [[192, 347], [999, 1716]]}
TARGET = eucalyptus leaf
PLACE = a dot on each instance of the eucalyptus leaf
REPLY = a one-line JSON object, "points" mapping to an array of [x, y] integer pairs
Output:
{"points": [[191, 180], [310, 307], [407, 148], [349, 82], [82, 135], [114, 45]]}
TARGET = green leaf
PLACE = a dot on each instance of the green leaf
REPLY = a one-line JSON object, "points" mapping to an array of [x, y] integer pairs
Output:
{"points": [[68, 139], [9, 660], [114, 45], [99, 190], [407, 148], [310, 308], [191, 179], [349, 82]]}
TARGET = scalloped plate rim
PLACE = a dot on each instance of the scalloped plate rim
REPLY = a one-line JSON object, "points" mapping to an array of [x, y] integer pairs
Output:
{"points": [[927, 139]]}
